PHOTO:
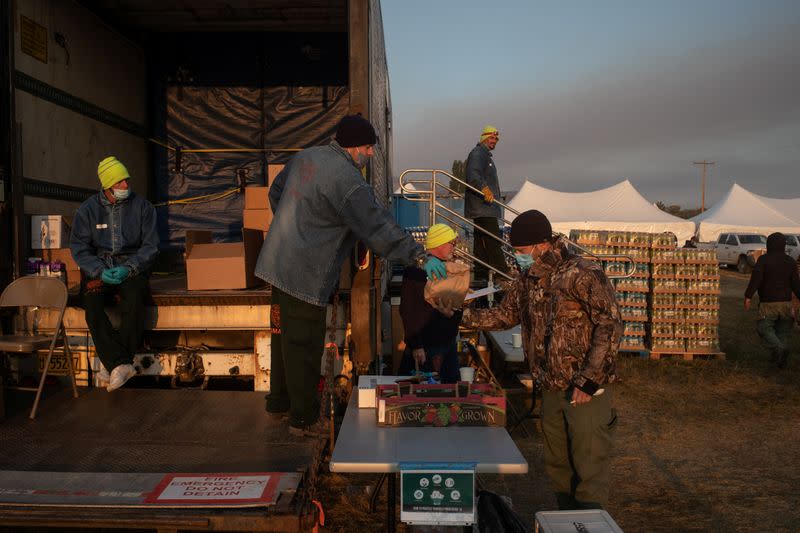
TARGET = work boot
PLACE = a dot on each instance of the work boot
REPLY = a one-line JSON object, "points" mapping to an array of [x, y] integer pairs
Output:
{"points": [[318, 430], [119, 376]]}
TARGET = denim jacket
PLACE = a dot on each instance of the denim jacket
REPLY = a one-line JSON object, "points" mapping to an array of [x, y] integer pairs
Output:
{"points": [[481, 172], [106, 235], [321, 206]]}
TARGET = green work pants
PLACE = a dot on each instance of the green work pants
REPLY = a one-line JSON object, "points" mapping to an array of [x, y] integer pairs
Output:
{"points": [[114, 347], [774, 325], [296, 358], [577, 445]]}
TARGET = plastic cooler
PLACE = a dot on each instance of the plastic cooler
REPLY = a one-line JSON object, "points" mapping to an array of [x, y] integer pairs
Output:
{"points": [[585, 521]]}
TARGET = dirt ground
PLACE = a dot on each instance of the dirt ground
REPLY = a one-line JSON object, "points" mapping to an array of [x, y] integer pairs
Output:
{"points": [[705, 445]]}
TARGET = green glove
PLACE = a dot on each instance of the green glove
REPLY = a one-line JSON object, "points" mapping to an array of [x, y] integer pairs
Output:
{"points": [[435, 269], [108, 277], [121, 273]]}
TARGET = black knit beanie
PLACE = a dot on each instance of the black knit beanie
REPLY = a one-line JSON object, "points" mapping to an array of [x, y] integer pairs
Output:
{"points": [[355, 130], [531, 227], [776, 242]]}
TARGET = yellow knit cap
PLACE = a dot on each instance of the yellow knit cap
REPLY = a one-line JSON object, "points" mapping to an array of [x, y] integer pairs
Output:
{"points": [[111, 171], [489, 130], [439, 234]]}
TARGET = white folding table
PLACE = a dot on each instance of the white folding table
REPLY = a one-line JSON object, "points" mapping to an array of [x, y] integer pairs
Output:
{"points": [[362, 447], [502, 342]]}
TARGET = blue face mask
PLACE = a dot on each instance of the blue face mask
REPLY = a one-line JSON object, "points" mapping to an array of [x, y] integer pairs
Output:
{"points": [[525, 261]]}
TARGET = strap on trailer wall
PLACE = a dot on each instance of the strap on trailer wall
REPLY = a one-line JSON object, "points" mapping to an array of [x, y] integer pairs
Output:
{"points": [[256, 91]]}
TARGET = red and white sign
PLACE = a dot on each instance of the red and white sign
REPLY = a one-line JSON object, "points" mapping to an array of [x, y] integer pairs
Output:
{"points": [[230, 489]]}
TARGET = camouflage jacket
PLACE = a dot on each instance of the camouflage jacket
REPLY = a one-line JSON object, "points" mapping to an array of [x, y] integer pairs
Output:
{"points": [[575, 297]]}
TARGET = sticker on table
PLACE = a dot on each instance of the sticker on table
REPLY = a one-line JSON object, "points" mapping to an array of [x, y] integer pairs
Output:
{"points": [[216, 489]]}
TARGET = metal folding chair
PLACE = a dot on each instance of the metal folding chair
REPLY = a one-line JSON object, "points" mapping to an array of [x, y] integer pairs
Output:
{"points": [[41, 292]]}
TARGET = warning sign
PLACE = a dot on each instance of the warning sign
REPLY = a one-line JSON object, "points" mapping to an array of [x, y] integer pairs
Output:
{"points": [[228, 489], [33, 39]]}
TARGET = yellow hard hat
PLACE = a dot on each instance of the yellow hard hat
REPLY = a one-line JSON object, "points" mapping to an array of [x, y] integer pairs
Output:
{"points": [[111, 171], [489, 130], [439, 234]]}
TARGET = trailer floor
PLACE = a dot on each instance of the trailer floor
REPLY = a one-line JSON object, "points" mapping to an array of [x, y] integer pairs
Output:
{"points": [[153, 431]]}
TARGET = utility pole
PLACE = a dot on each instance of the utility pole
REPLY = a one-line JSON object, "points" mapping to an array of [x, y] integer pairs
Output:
{"points": [[705, 165]]}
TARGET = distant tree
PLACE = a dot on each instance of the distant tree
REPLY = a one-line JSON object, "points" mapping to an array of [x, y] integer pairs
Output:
{"points": [[678, 211], [459, 170]]}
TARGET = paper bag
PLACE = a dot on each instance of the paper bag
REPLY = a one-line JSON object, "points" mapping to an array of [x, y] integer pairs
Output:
{"points": [[451, 291]]}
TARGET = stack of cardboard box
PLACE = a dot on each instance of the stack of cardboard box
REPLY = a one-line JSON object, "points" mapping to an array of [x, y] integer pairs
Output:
{"points": [[257, 212], [72, 273], [211, 265], [50, 243]]}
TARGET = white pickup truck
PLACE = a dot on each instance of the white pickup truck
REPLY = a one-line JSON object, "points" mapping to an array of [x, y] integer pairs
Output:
{"points": [[793, 246], [740, 250]]}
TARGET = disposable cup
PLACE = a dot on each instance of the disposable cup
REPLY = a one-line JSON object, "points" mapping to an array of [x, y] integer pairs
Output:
{"points": [[467, 373], [516, 340]]}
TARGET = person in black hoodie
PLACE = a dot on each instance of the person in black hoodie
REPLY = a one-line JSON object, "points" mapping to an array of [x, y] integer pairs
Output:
{"points": [[775, 278], [430, 336]]}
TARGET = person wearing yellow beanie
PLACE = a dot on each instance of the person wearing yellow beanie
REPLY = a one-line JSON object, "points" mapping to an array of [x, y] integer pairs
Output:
{"points": [[481, 174], [115, 243], [439, 234], [111, 171], [430, 336]]}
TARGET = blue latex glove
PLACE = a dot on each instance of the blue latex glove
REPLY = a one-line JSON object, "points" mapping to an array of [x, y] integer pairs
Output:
{"points": [[121, 273], [116, 275], [108, 277], [435, 269]]}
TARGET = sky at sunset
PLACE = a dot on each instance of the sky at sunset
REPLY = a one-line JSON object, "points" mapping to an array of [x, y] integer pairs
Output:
{"points": [[588, 93]]}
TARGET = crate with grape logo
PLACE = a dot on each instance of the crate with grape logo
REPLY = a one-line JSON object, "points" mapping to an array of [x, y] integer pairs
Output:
{"points": [[441, 405]]}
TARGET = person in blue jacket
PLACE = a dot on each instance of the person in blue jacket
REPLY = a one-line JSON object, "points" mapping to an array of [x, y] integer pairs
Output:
{"points": [[481, 173], [115, 243], [321, 204]]}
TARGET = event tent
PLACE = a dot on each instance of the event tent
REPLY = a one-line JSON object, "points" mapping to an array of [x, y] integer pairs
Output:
{"points": [[616, 208], [743, 211]]}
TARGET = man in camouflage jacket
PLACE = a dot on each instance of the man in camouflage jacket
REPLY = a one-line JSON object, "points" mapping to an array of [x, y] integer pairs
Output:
{"points": [[571, 329]]}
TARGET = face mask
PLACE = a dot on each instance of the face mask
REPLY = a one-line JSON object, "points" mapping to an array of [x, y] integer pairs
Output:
{"points": [[525, 261], [121, 194], [361, 159]]}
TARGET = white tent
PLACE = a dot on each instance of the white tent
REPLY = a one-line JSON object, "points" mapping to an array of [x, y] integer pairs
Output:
{"points": [[617, 208], [743, 211]]}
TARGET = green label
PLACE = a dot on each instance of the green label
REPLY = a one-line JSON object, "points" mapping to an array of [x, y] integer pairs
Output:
{"points": [[438, 491]]}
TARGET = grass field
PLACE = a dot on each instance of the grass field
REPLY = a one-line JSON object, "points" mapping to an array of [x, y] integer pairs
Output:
{"points": [[701, 445]]}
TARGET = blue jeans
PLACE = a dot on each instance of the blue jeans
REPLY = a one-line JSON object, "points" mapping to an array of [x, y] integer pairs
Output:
{"points": [[438, 358]]}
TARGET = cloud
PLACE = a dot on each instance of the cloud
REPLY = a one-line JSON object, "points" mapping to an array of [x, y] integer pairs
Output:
{"points": [[735, 102]]}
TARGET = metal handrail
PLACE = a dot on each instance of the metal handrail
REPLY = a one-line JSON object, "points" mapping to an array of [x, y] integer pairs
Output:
{"points": [[430, 196]]}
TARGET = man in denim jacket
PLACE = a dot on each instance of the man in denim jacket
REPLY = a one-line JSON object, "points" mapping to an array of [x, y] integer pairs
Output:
{"points": [[481, 173], [321, 205], [114, 241]]}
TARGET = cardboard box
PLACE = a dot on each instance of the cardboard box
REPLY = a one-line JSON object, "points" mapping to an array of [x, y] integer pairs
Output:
{"points": [[49, 231], [212, 266], [60, 255], [457, 404], [259, 219], [256, 197], [273, 171]]}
